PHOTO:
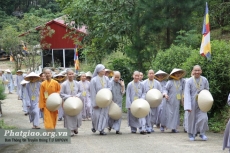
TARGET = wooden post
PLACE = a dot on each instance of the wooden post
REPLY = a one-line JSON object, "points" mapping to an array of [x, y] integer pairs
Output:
{"points": [[53, 57], [64, 58]]}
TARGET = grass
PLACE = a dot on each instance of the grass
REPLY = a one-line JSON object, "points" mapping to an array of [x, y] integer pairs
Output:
{"points": [[3, 125]]}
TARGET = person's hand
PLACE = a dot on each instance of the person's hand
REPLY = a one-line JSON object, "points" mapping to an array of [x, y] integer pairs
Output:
{"points": [[129, 108], [96, 107], [189, 110], [122, 83], [42, 109], [167, 97]]}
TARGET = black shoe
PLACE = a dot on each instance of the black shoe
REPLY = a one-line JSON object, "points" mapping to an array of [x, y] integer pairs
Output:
{"points": [[109, 128], [148, 132], [60, 119], [75, 132], [143, 132], [118, 132], [133, 132], [93, 130], [103, 133]]}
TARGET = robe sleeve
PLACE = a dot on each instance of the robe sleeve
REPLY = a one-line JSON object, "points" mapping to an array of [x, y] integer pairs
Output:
{"points": [[58, 87], [128, 94], [187, 96], [167, 87], [229, 99], [27, 98], [16, 81], [109, 84], [42, 97], [93, 93], [78, 90], [206, 85], [63, 91], [21, 92], [143, 92]]}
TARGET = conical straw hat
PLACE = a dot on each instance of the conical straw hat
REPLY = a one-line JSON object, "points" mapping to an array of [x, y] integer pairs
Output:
{"points": [[53, 102], [103, 98], [154, 97], [32, 75], [205, 100], [88, 74], [72, 106], [160, 72], [115, 111], [140, 108], [8, 70], [19, 71], [177, 70], [24, 82]]}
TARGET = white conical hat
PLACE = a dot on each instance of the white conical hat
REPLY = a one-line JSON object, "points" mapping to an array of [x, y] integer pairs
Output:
{"points": [[88, 74], [32, 74], [140, 108], [24, 82], [115, 111], [205, 100], [103, 98], [72, 106], [53, 102], [160, 72], [154, 97], [19, 71], [8, 70], [177, 70]]}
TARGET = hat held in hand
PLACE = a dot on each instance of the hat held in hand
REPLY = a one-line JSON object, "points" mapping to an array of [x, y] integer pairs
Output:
{"points": [[115, 111], [72, 106], [205, 100], [53, 102], [103, 98], [154, 97], [140, 108]]}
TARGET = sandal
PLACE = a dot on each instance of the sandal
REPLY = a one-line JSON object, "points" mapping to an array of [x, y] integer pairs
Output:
{"points": [[75, 132], [109, 128], [118, 132], [93, 130], [103, 133], [143, 132]]}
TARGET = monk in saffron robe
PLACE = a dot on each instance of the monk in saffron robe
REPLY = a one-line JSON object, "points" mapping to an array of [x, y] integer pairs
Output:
{"points": [[48, 87]]}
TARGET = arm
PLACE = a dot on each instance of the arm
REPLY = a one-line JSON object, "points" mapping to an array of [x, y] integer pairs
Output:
{"points": [[128, 94], [166, 89], [42, 97], [63, 91], [93, 93], [27, 98], [78, 91], [206, 85], [187, 97], [229, 99], [143, 91]]}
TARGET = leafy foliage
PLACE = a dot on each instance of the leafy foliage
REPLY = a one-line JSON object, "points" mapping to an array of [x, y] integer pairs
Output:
{"points": [[2, 92], [171, 58]]}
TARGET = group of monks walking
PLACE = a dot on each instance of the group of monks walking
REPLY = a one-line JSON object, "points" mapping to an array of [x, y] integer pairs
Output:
{"points": [[34, 90]]}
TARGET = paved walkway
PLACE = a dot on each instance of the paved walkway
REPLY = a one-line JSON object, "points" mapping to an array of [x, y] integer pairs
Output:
{"points": [[87, 142]]}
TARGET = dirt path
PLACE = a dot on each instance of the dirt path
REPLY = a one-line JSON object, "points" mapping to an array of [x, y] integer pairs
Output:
{"points": [[87, 142]]}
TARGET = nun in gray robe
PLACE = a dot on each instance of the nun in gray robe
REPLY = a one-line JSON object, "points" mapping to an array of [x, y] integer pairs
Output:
{"points": [[161, 113], [32, 102], [117, 98], [99, 115], [173, 88], [10, 85], [71, 122], [18, 80], [85, 97], [23, 95], [151, 118], [197, 120], [226, 141], [134, 122]]}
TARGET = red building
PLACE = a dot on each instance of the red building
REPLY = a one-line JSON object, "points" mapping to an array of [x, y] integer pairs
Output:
{"points": [[61, 49]]}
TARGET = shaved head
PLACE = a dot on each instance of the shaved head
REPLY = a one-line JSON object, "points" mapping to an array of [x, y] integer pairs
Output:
{"points": [[196, 66], [136, 76], [117, 73], [151, 74], [48, 74], [136, 72], [117, 76]]}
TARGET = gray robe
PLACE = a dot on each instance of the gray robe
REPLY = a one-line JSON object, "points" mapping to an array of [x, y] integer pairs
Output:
{"points": [[33, 89], [197, 120], [185, 122], [87, 108], [99, 115], [10, 85], [226, 138], [134, 122], [71, 122], [151, 118], [60, 110], [18, 80], [23, 95], [173, 104], [117, 98], [161, 112]]}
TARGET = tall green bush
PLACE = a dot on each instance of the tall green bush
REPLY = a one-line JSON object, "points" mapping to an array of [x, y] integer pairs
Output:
{"points": [[2, 92], [171, 58]]}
